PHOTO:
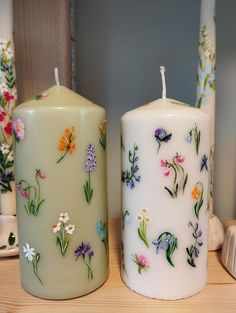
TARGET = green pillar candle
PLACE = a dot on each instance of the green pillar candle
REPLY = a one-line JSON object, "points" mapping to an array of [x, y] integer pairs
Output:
{"points": [[60, 168]]}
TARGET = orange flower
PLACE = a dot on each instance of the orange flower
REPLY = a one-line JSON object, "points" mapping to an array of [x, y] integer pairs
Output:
{"points": [[66, 143], [196, 192]]}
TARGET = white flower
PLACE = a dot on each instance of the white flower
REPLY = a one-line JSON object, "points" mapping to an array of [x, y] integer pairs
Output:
{"points": [[3, 87], [9, 53], [64, 217], [4, 148], [56, 227], [70, 229], [10, 157], [29, 252]]}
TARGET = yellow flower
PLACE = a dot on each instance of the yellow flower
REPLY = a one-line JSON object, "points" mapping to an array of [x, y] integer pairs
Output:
{"points": [[147, 219], [196, 192], [139, 217], [144, 210], [102, 127]]}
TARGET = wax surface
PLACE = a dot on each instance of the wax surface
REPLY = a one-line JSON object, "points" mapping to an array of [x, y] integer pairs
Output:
{"points": [[60, 134], [165, 150]]}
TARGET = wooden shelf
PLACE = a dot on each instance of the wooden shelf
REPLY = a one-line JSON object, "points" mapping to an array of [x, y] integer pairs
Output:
{"points": [[218, 296]]}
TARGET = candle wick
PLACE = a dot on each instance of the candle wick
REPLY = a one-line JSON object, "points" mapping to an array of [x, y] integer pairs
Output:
{"points": [[163, 78], [56, 75]]}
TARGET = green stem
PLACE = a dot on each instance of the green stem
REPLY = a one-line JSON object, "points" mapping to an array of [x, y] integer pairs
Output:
{"points": [[61, 158]]}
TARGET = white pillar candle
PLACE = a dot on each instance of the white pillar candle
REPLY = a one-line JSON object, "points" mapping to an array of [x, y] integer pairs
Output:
{"points": [[165, 178]]}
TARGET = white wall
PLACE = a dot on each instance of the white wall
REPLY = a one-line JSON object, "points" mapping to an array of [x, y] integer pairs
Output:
{"points": [[120, 46]]}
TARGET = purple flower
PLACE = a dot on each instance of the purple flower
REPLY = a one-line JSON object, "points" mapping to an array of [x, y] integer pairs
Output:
{"points": [[84, 248], [161, 135], [204, 163], [90, 164]]}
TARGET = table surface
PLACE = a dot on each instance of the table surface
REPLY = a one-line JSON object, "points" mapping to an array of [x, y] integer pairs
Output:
{"points": [[218, 296]]}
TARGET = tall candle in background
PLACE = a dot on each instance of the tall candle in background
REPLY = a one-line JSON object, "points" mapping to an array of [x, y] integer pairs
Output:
{"points": [[8, 222], [165, 178], [60, 148]]}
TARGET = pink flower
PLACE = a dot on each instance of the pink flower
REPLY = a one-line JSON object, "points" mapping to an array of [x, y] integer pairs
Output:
{"points": [[142, 261], [19, 128], [163, 163], [25, 194], [18, 186], [167, 173], [41, 174], [180, 158]]}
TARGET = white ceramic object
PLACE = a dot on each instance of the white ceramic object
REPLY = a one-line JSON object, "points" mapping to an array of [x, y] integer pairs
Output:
{"points": [[216, 233], [229, 250], [8, 235]]}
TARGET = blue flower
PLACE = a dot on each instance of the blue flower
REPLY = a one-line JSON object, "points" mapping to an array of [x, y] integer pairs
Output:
{"points": [[204, 164]]}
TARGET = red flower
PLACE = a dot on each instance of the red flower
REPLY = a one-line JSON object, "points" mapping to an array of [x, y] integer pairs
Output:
{"points": [[8, 129], [8, 96], [2, 115]]}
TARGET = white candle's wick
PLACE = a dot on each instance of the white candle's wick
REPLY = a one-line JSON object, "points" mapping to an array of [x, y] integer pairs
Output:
{"points": [[56, 75], [163, 78]]}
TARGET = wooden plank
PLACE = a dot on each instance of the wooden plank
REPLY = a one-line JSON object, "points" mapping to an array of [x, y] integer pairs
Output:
{"points": [[217, 297], [42, 42]]}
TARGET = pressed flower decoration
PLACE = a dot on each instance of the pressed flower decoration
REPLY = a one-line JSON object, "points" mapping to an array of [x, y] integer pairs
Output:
{"points": [[85, 251], [141, 262], [194, 134], [143, 220], [6, 164], [102, 232], [7, 103], [130, 177], [63, 232], [122, 258], [194, 250], [180, 177], [197, 194], [18, 129], [32, 193], [168, 243], [204, 163], [161, 136], [67, 143], [102, 130], [32, 257], [90, 166], [206, 68]]}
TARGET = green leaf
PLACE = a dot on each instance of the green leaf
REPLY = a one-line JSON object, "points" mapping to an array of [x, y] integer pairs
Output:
{"points": [[170, 192], [3, 247]]}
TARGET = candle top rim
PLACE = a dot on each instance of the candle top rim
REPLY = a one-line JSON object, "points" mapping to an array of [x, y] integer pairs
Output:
{"points": [[58, 96], [166, 107]]}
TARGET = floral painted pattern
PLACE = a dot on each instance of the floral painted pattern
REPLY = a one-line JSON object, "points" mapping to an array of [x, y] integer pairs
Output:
{"points": [[194, 134], [63, 231], [161, 136], [125, 218], [102, 138], [102, 232], [33, 257], [90, 166], [122, 258], [206, 68], [129, 177], [18, 129], [32, 193], [8, 97], [141, 262], [87, 253], [204, 163], [197, 194], [180, 177], [6, 164], [168, 243], [143, 220], [41, 96], [67, 143], [194, 250]]}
